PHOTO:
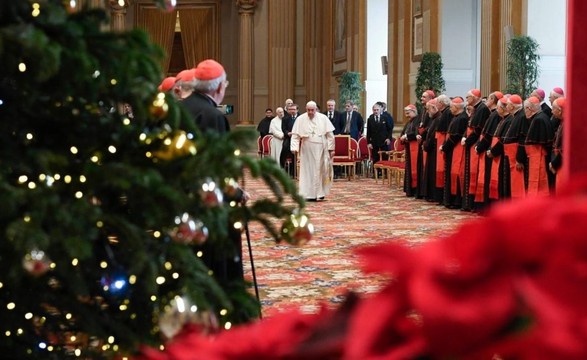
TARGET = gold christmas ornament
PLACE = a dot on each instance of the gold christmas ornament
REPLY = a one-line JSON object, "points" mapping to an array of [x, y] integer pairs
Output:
{"points": [[176, 145], [230, 187], [159, 106], [297, 229]]}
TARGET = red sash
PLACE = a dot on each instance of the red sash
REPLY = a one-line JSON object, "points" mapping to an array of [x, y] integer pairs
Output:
{"points": [[518, 190], [440, 138], [414, 162], [456, 167], [494, 179], [473, 165], [537, 179], [479, 191]]}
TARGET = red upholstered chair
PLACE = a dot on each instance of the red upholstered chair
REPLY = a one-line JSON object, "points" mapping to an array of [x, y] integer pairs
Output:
{"points": [[398, 145], [384, 163], [266, 143], [343, 154], [365, 156], [397, 167]]}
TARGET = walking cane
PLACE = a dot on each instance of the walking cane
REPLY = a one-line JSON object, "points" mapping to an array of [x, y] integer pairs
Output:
{"points": [[253, 267], [248, 236]]}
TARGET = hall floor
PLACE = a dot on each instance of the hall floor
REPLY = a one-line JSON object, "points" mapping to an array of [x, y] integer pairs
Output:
{"points": [[321, 272]]}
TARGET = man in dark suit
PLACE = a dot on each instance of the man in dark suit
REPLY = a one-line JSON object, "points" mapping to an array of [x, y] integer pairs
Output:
{"points": [[263, 127], [352, 122], [209, 86], [379, 132], [334, 115], [385, 114]]}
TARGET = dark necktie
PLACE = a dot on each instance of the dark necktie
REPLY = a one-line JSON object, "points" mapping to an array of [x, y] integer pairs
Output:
{"points": [[347, 126]]}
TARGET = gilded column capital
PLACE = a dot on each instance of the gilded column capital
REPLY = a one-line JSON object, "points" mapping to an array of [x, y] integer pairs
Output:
{"points": [[246, 6], [118, 13], [115, 5]]}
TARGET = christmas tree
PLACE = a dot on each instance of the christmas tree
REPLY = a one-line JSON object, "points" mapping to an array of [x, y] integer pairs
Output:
{"points": [[105, 216]]}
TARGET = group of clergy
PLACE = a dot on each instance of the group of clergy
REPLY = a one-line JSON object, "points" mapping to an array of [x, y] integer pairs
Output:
{"points": [[468, 153]]}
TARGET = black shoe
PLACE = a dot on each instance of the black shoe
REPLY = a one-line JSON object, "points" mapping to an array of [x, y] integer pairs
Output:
{"points": [[321, 198], [314, 199]]}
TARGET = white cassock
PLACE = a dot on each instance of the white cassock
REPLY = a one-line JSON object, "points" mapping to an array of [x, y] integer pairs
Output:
{"points": [[313, 139], [277, 141]]}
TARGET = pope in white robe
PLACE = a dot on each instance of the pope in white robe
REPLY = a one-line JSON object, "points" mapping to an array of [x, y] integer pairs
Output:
{"points": [[277, 132], [312, 140]]}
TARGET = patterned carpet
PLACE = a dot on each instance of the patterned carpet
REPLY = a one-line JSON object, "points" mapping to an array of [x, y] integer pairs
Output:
{"points": [[356, 213]]}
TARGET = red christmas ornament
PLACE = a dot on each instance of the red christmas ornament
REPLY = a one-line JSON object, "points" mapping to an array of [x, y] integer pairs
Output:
{"points": [[211, 195], [189, 230], [170, 5], [36, 262]]}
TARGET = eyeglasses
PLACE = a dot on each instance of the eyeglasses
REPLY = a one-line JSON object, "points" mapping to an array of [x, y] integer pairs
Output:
{"points": [[527, 108]]}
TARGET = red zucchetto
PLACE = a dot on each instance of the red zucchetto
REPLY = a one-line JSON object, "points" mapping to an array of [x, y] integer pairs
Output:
{"points": [[534, 100], [560, 102], [475, 92], [208, 70], [515, 99], [167, 84], [185, 75]]}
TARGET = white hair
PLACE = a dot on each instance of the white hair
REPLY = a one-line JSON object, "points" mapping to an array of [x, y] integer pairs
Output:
{"points": [[532, 105], [443, 99], [311, 104], [209, 86]]}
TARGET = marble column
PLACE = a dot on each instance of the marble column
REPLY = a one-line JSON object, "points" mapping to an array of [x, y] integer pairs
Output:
{"points": [[487, 16], [314, 53], [282, 52], [246, 9], [505, 21], [118, 14]]}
